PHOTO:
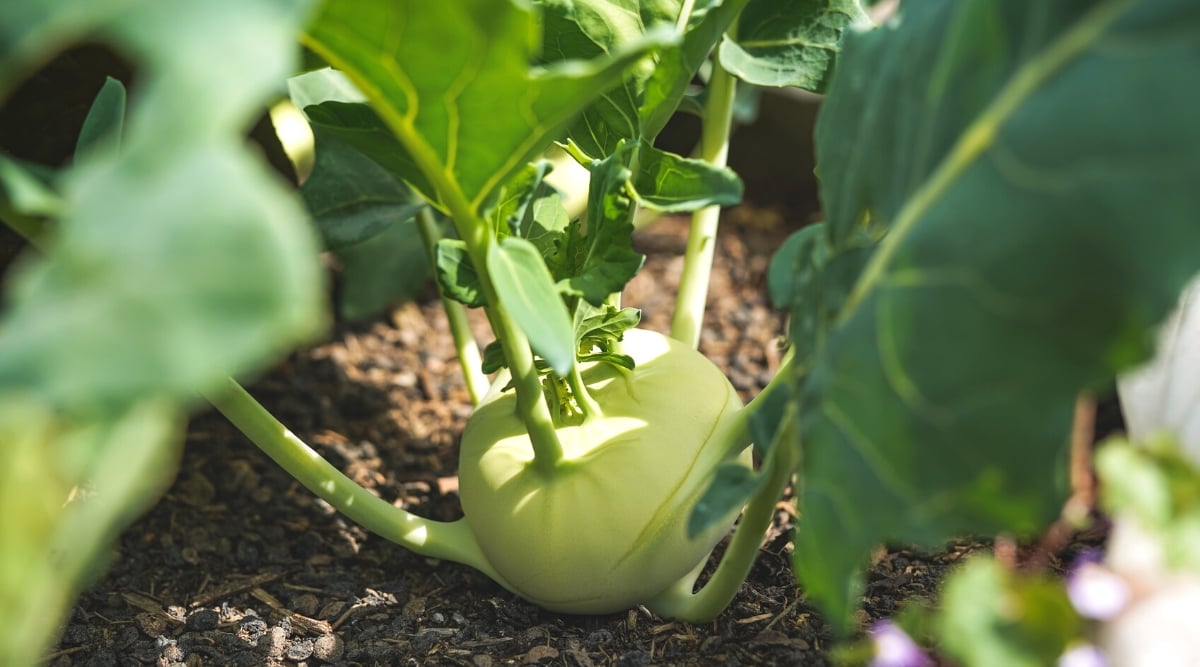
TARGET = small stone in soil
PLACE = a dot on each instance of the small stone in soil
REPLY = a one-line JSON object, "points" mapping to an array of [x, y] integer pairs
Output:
{"points": [[300, 650], [203, 619], [328, 648]]}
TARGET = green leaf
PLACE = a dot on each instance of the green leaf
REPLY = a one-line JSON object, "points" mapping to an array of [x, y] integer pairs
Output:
{"points": [[789, 42], [105, 118], [28, 189], [599, 329], [527, 292], [991, 617], [732, 485], [181, 257], [677, 66], [603, 261], [337, 110], [646, 99], [351, 197], [1154, 483], [389, 267], [32, 32], [513, 212], [675, 184], [478, 112], [1036, 229], [456, 274]]}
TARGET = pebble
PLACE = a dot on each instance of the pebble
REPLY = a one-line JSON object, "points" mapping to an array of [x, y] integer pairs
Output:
{"points": [[328, 648]]}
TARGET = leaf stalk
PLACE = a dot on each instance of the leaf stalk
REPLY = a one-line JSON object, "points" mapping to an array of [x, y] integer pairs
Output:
{"points": [[702, 237]]}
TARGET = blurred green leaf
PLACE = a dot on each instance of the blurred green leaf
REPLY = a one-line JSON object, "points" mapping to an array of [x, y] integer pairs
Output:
{"points": [[28, 189], [789, 42], [33, 32], [170, 303], [991, 617], [526, 289], [1159, 487], [105, 118], [478, 112], [387, 268], [732, 485], [1037, 226], [175, 261], [675, 184], [352, 198]]}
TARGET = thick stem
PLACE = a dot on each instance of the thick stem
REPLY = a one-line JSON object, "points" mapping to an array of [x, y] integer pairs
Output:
{"points": [[704, 605], [465, 344], [702, 239], [436, 539]]}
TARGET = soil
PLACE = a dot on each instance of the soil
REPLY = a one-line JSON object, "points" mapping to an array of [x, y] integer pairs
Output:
{"points": [[240, 565]]}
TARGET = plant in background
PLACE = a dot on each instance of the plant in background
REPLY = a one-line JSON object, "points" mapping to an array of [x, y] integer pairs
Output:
{"points": [[1009, 200]]}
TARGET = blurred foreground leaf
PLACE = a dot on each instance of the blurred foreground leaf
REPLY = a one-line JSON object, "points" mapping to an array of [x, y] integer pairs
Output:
{"points": [[176, 258], [1031, 168]]}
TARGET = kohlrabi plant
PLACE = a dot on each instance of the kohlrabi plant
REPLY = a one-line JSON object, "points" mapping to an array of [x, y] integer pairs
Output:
{"points": [[1010, 200], [584, 416]]}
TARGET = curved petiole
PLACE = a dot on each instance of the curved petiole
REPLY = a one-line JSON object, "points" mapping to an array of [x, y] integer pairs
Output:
{"points": [[436, 539]]}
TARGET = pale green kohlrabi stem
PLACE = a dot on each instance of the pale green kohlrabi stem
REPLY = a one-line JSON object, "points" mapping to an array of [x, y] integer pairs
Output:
{"points": [[464, 341], [702, 239], [679, 601], [435, 539]]}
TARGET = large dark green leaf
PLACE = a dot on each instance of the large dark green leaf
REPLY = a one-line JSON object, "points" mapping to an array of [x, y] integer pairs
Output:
{"points": [[789, 42], [477, 112], [1034, 166], [351, 197], [389, 267], [338, 111]]}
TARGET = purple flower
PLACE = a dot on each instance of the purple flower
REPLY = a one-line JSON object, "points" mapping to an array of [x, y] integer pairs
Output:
{"points": [[894, 648], [1096, 591], [1083, 655]]}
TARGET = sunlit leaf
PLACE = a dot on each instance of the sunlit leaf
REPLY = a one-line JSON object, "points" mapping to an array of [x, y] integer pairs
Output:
{"points": [[527, 291], [479, 111], [668, 182], [603, 261], [789, 42]]}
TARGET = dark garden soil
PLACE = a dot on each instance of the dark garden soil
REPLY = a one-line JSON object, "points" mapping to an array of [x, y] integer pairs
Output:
{"points": [[240, 565]]}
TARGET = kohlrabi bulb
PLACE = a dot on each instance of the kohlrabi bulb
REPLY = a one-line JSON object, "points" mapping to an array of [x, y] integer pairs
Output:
{"points": [[607, 530]]}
